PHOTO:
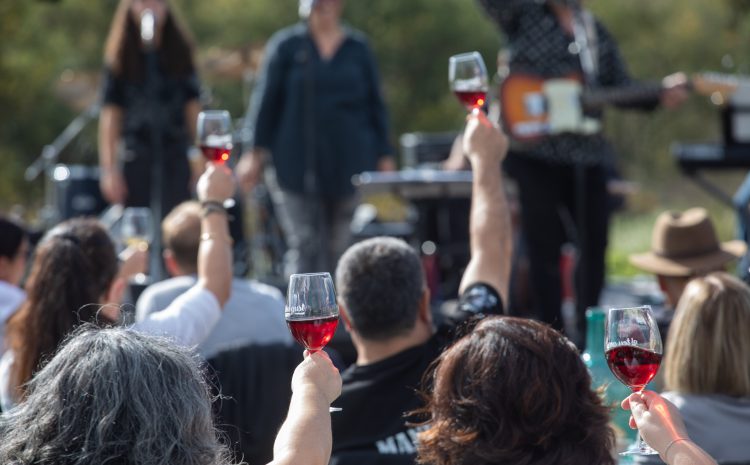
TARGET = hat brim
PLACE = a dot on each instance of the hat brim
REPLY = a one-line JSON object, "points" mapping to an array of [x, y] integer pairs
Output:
{"points": [[657, 264]]}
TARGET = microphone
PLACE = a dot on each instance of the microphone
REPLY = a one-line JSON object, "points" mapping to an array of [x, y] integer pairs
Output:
{"points": [[148, 22], [305, 7]]}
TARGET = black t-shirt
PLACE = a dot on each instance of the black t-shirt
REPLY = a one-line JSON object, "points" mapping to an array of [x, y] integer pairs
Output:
{"points": [[372, 428]]}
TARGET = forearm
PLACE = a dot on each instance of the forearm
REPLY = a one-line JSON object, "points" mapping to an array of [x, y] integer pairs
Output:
{"points": [[192, 108], [215, 256], [687, 453], [109, 136], [305, 437], [489, 228]]}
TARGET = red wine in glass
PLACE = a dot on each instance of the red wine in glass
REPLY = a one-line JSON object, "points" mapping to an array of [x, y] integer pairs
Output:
{"points": [[633, 349], [468, 80], [634, 366], [471, 99], [218, 154], [214, 135], [313, 333]]}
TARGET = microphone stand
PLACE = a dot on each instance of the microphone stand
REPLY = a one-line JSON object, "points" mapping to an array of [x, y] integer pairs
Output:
{"points": [[588, 61], [48, 158], [155, 121]]}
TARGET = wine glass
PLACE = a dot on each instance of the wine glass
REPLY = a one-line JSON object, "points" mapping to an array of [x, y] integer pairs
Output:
{"points": [[633, 349], [135, 231], [214, 134], [311, 311], [467, 75]]}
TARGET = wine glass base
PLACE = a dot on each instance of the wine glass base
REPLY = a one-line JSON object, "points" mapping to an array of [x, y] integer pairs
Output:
{"points": [[635, 450]]}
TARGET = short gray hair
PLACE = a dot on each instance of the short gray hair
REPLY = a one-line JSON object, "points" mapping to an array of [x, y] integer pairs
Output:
{"points": [[380, 282], [114, 396]]}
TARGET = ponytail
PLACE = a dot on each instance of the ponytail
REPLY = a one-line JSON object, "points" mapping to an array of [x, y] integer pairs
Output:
{"points": [[74, 266]]}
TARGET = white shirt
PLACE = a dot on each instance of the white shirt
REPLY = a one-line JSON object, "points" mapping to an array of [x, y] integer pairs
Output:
{"points": [[11, 298], [188, 321], [254, 313]]}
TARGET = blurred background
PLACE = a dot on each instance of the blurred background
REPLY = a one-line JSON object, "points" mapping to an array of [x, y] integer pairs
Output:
{"points": [[51, 57]]}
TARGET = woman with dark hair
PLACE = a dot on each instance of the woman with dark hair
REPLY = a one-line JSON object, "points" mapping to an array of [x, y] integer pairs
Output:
{"points": [[117, 396], [14, 249], [130, 110], [316, 118], [514, 391], [74, 280]]}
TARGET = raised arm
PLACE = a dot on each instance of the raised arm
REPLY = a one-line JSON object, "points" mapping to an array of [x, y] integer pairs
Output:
{"points": [[489, 223], [305, 437], [661, 426], [215, 251], [112, 182]]}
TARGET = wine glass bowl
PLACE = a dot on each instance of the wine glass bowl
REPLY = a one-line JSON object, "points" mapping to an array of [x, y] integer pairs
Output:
{"points": [[468, 79], [311, 312], [633, 350], [136, 227], [214, 134]]}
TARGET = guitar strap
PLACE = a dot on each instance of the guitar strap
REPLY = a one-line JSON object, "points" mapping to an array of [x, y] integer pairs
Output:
{"points": [[584, 32]]}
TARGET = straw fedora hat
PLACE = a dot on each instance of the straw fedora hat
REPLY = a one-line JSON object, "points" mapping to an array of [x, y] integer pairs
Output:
{"points": [[685, 244]]}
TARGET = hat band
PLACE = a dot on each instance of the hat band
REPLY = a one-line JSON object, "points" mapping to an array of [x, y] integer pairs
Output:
{"points": [[691, 254]]}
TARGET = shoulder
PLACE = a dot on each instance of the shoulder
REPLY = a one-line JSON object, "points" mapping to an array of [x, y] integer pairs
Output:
{"points": [[169, 286], [287, 36], [257, 288]]}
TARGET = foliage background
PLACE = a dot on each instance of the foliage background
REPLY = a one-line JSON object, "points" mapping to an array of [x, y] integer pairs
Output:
{"points": [[42, 42]]}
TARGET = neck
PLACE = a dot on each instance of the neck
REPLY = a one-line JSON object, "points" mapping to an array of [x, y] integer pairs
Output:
{"points": [[324, 25], [369, 352]]}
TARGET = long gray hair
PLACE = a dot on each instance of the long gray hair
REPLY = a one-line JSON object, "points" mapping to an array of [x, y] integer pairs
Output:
{"points": [[114, 396]]}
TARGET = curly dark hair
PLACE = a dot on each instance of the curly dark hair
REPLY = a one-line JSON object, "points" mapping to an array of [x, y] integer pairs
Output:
{"points": [[513, 391]]}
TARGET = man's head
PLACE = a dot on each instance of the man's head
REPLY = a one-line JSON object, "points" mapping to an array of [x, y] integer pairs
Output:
{"points": [[14, 248], [181, 231], [382, 288], [684, 245]]}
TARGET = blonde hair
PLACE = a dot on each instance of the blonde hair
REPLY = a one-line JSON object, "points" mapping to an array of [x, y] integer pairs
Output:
{"points": [[181, 230], [708, 351]]}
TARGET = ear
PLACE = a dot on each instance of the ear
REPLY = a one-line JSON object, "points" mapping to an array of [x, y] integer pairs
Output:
{"points": [[344, 317], [662, 283], [171, 264], [425, 311], [116, 291], [5, 263]]}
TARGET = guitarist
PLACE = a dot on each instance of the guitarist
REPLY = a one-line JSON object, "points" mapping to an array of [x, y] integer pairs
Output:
{"points": [[566, 172]]}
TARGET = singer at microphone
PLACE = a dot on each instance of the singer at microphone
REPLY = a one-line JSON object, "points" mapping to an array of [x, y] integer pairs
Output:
{"points": [[126, 135], [148, 21]]}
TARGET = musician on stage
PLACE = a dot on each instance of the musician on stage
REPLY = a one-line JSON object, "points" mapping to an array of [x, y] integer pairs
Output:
{"points": [[126, 125], [553, 39], [316, 118]]}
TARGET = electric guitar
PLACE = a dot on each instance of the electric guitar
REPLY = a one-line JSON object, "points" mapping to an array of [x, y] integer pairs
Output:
{"points": [[533, 107]]}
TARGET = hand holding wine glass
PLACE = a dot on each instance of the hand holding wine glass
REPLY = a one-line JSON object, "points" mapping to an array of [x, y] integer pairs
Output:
{"points": [[467, 75], [214, 133], [634, 350], [311, 311]]}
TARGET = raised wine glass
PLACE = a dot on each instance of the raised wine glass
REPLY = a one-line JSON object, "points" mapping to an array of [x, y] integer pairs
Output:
{"points": [[135, 231], [214, 134], [633, 348], [311, 311], [467, 75]]}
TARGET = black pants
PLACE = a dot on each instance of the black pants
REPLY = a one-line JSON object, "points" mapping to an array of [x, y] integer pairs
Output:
{"points": [[546, 193]]}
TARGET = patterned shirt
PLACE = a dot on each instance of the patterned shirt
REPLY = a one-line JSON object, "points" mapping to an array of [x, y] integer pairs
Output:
{"points": [[541, 46]]}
